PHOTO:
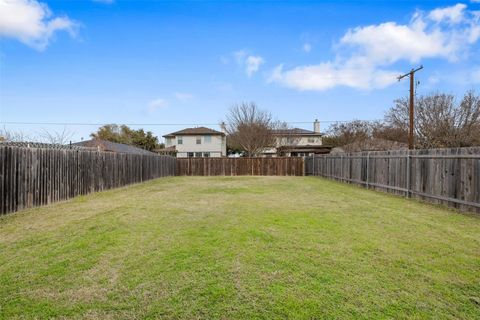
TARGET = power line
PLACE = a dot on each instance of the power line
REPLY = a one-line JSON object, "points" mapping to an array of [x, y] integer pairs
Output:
{"points": [[155, 124]]}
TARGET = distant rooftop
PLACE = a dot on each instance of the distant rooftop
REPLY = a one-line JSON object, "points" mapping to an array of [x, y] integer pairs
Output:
{"points": [[104, 145], [296, 131], [41, 145], [195, 131]]}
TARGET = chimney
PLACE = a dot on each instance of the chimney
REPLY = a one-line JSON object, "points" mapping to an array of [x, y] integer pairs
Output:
{"points": [[316, 126], [223, 127]]}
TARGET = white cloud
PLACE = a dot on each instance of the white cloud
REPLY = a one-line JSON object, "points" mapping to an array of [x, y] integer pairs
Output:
{"points": [[328, 75], [32, 22], [183, 96], [251, 63], [388, 42], [307, 47], [453, 14], [366, 53], [240, 56], [156, 104]]}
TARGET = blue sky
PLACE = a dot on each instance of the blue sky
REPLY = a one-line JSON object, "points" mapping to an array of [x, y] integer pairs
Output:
{"points": [[188, 62]]}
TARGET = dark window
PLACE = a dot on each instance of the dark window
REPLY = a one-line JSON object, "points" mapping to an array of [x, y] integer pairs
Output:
{"points": [[206, 154], [198, 154], [190, 154], [199, 140]]}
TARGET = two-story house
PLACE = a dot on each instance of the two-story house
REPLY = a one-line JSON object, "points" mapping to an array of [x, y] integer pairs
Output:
{"points": [[297, 142], [197, 142]]}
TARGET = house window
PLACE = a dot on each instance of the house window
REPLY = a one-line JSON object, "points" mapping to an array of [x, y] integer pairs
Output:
{"points": [[311, 140], [180, 140], [190, 154], [198, 154], [206, 154], [199, 140], [207, 139]]}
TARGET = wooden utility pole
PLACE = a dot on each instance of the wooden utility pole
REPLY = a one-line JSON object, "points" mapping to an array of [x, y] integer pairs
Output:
{"points": [[411, 74]]}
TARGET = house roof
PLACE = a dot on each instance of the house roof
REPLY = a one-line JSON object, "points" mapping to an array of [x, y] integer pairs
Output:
{"points": [[296, 132], [195, 131], [306, 148], [171, 149], [41, 145], [113, 147], [372, 144]]}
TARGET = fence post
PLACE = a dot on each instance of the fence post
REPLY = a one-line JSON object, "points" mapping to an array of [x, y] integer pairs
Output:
{"points": [[325, 167], [341, 168], [368, 169], [408, 171], [313, 166]]}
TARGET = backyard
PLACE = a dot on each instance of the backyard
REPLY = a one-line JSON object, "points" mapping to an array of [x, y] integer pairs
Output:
{"points": [[240, 248]]}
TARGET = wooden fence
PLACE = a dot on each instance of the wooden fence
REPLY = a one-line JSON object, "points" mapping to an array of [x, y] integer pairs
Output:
{"points": [[446, 176], [240, 167], [31, 177]]}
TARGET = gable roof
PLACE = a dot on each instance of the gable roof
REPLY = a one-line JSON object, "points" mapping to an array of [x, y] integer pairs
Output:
{"points": [[195, 131], [113, 147], [296, 132]]}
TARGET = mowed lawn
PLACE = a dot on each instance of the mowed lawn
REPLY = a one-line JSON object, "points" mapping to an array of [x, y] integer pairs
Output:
{"points": [[240, 248]]}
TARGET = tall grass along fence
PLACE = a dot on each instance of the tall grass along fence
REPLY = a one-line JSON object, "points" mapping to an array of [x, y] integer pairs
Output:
{"points": [[31, 177], [240, 167], [446, 176]]}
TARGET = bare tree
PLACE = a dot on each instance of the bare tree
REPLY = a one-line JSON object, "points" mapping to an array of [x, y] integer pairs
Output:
{"points": [[250, 129], [12, 136], [56, 137], [467, 119], [439, 121], [344, 133]]}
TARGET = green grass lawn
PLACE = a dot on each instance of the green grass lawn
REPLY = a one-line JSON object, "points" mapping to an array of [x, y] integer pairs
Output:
{"points": [[240, 248]]}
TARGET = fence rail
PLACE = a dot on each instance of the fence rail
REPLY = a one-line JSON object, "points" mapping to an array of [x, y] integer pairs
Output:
{"points": [[446, 176], [31, 177], [240, 166]]}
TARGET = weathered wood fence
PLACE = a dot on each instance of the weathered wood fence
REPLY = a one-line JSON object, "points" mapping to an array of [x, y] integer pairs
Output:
{"points": [[31, 177], [447, 176], [240, 167]]}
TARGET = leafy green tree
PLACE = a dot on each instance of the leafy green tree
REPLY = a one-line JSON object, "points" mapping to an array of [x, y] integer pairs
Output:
{"points": [[126, 135]]}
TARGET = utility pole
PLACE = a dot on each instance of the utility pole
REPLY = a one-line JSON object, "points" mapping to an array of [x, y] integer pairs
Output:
{"points": [[411, 74]]}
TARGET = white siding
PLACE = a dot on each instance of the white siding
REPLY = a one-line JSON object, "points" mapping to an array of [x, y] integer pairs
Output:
{"points": [[300, 141], [217, 146]]}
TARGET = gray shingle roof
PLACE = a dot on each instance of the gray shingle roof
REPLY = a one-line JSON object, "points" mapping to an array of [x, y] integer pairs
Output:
{"points": [[113, 147], [41, 145], [295, 131], [195, 131]]}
